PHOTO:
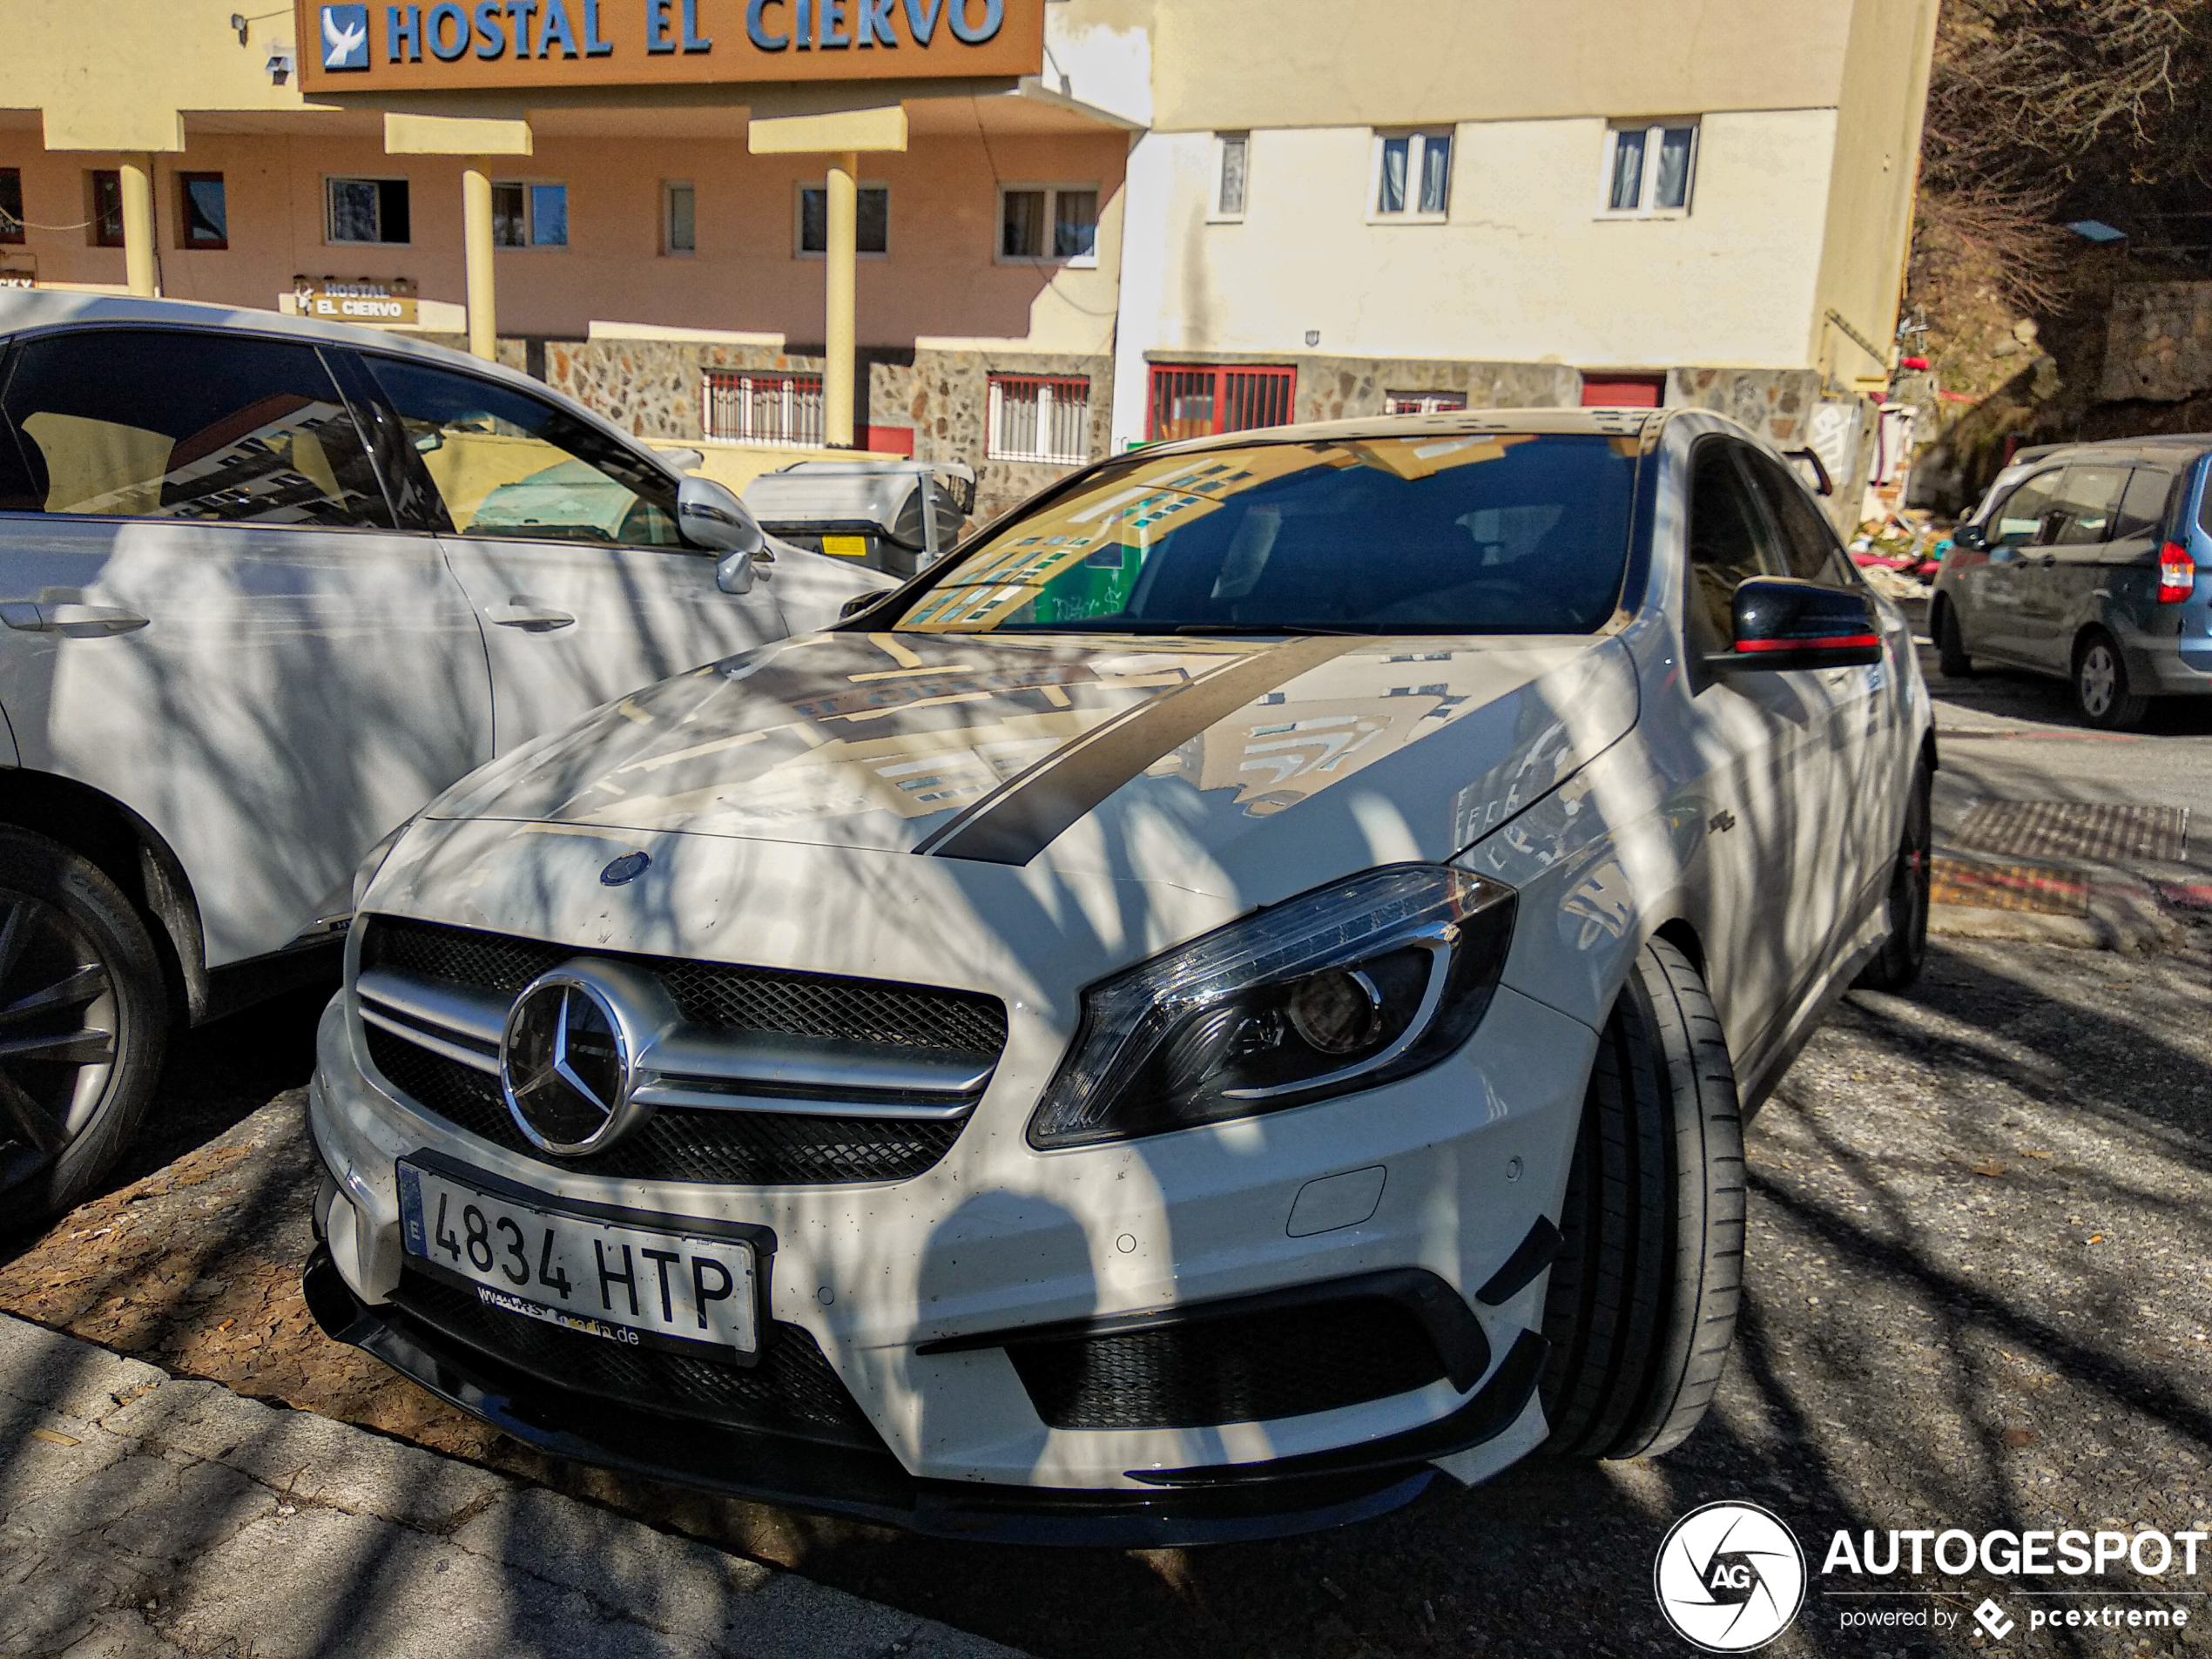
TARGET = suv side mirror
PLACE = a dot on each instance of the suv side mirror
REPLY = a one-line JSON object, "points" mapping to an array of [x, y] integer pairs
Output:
{"points": [[1782, 623], [856, 604], [1972, 537], [708, 516]]}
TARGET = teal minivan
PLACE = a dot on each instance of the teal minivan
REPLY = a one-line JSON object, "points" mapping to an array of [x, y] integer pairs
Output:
{"points": [[2083, 561]]}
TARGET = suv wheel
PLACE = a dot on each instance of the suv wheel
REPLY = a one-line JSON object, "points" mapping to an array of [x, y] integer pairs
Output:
{"points": [[84, 1018], [1951, 644], [2100, 686], [1898, 963], [1641, 1304]]}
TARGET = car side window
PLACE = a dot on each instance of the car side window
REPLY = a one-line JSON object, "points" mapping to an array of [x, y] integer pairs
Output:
{"points": [[2018, 518], [1731, 539], [1813, 552], [2143, 507], [2083, 510], [506, 464], [207, 425]]}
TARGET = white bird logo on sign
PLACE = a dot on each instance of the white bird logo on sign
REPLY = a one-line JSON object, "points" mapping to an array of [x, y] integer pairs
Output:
{"points": [[339, 44]]}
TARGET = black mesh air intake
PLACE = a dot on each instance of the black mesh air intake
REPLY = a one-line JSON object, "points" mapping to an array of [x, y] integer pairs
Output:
{"points": [[1241, 1368], [792, 1390]]}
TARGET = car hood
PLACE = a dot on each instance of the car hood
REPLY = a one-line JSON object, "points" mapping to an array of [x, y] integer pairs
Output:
{"points": [[1252, 768]]}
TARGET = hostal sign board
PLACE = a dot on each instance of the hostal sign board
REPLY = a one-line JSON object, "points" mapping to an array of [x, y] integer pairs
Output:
{"points": [[479, 44]]}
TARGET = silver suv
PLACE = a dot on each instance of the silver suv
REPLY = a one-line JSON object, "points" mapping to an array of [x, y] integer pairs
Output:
{"points": [[266, 587]]}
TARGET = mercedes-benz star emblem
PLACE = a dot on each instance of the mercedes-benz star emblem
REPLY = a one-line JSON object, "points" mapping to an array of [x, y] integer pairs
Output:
{"points": [[626, 868], [568, 1058]]}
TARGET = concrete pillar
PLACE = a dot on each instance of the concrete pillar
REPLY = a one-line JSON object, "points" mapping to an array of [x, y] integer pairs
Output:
{"points": [[138, 224], [838, 329], [476, 251]]}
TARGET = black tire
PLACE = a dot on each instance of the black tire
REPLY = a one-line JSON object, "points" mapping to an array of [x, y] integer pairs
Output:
{"points": [[1905, 952], [1642, 1305], [84, 1018], [1951, 645], [2101, 689]]}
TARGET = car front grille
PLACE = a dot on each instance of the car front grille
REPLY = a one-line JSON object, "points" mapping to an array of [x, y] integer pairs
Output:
{"points": [[719, 1147], [708, 994], [791, 1391], [757, 1140], [1241, 1368]]}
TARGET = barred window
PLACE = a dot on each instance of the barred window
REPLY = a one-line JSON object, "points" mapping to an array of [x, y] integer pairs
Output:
{"points": [[761, 406], [1423, 402], [1040, 417]]}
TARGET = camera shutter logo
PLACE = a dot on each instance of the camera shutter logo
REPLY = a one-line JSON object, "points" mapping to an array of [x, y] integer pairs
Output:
{"points": [[1730, 1577], [345, 36]]}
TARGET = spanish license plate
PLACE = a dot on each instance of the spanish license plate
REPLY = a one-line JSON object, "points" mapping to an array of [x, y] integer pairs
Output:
{"points": [[628, 1285]]}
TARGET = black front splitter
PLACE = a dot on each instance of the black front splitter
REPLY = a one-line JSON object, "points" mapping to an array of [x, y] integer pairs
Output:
{"points": [[1247, 1502]]}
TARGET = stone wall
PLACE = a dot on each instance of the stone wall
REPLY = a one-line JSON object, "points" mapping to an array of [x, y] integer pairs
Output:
{"points": [[2158, 343], [1344, 388], [650, 389], [1778, 403]]}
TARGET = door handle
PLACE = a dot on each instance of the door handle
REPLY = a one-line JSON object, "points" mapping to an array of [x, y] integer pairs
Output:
{"points": [[2048, 560], [531, 615], [76, 621]]}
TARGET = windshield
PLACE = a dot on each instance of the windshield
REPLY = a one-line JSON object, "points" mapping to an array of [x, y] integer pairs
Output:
{"points": [[1461, 533]]}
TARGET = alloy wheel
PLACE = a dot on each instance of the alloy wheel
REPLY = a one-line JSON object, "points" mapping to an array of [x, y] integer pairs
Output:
{"points": [[59, 1018]]}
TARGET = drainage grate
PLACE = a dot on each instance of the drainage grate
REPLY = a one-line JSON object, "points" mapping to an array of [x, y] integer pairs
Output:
{"points": [[2008, 887], [2063, 829]]}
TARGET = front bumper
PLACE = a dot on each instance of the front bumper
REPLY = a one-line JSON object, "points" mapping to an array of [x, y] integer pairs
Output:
{"points": [[892, 1284], [1224, 1504]]}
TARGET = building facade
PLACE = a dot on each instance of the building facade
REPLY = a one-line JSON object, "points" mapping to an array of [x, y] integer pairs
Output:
{"points": [[1166, 216]]}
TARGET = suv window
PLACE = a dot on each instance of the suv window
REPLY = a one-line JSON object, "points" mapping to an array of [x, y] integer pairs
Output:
{"points": [[1814, 553], [507, 465], [2018, 519], [1731, 539], [162, 423], [2082, 511], [2142, 510]]}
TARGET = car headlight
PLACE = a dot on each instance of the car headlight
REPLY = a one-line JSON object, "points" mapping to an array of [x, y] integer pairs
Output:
{"points": [[373, 861], [1345, 987]]}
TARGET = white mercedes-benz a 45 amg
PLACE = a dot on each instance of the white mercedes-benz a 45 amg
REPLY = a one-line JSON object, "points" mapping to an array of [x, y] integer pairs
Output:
{"points": [[1223, 1006]]}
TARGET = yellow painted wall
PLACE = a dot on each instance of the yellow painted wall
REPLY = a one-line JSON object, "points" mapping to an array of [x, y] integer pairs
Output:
{"points": [[1229, 63], [1869, 222], [114, 75]]}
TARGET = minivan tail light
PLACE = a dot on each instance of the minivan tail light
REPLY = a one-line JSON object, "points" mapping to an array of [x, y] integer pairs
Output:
{"points": [[2176, 574]]}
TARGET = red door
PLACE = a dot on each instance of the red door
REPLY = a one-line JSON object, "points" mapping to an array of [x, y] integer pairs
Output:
{"points": [[1197, 399], [1623, 391]]}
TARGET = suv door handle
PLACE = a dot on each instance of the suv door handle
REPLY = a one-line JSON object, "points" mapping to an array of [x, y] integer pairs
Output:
{"points": [[77, 621], [531, 615], [2048, 560]]}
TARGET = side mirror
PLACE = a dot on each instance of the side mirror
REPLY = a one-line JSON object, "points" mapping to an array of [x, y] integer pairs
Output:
{"points": [[736, 573], [856, 604], [1972, 537], [708, 516], [1781, 622]]}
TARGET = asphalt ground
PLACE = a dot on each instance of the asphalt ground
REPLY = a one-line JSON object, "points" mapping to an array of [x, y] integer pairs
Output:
{"points": [[1975, 1299]]}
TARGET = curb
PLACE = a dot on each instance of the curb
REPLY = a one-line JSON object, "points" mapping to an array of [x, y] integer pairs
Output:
{"points": [[160, 1517], [2120, 911]]}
